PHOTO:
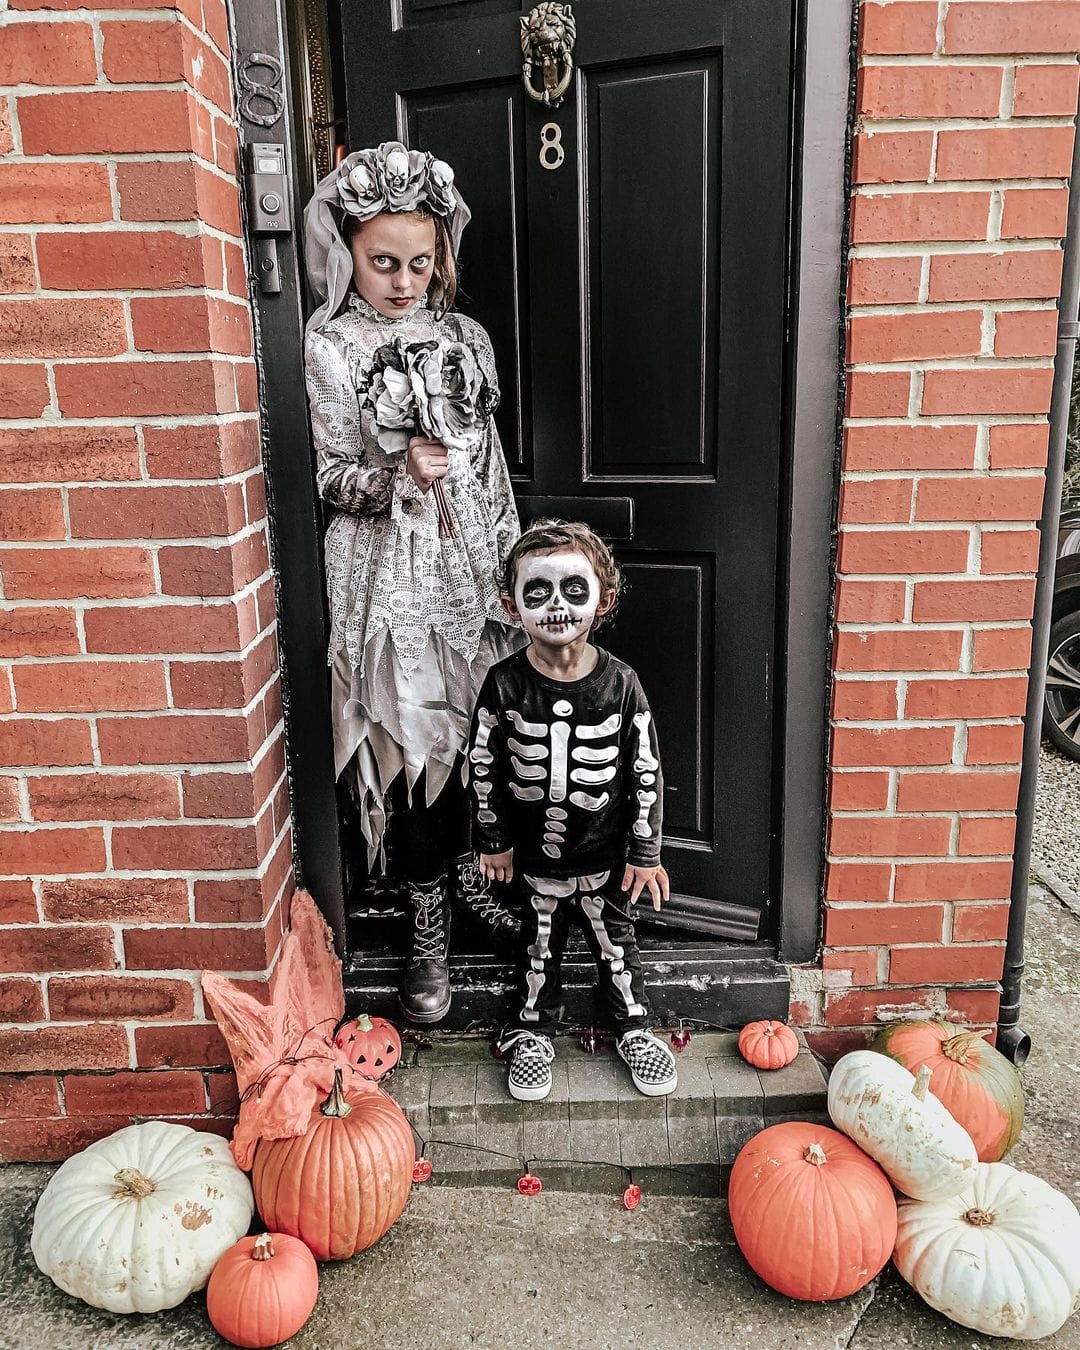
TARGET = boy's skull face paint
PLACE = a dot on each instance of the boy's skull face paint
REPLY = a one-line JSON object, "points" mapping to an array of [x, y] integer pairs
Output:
{"points": [[557, 595]]}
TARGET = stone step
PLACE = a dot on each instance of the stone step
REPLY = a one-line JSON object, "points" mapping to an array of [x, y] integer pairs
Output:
{"points": [[595, 1125]]}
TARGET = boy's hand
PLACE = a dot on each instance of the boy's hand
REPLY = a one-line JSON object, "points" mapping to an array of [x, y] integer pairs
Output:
{"points": [[497, 866], [652, 879]]}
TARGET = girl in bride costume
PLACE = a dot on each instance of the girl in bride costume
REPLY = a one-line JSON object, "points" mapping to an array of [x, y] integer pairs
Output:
{"points": [[416, 620]]}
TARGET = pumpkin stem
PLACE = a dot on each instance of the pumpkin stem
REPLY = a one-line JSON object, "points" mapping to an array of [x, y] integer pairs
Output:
{"points": [[132, 1184], [978, 1218], [958, 1046], [364, 1022], [815, 1154], [922, 1082], [264, 1248], [336, 1105]]}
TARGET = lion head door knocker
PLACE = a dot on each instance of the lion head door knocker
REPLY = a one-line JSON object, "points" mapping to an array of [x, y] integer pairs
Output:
{"points": [[548, 33]]}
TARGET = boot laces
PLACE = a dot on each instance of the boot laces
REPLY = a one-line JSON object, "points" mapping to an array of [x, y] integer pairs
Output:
{"points": [[476, 892], [429, 924]]}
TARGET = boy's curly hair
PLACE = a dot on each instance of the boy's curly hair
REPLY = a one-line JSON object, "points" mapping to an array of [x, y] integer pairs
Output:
{"points": [[560, 536]]}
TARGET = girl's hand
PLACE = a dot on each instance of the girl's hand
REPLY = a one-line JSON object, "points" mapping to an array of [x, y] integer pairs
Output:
{"points": [[497, 866], [652, 879], [427, 461]]}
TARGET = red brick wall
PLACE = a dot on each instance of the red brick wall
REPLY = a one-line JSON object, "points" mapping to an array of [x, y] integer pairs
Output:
{"points": [[962, 157], [145, 829]]}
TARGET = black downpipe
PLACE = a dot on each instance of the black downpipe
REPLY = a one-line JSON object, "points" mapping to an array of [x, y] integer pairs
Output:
{"points": [[1011, 1039]]}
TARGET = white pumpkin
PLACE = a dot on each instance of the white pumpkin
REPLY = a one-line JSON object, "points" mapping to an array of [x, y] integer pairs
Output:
{"points": [[1002, 1257], [890, 1114], [137, 1221]]}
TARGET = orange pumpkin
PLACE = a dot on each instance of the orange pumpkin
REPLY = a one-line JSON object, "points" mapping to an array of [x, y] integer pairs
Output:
{"points": [[768, 1045], [371, 1043], [973, 1081], [262, 1290], [813, 1215], [343, 1184]]}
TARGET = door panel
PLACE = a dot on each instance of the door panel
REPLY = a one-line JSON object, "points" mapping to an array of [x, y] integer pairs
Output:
{"points": [[636, 298], [662, 627], [477, 130], [652, 213]]}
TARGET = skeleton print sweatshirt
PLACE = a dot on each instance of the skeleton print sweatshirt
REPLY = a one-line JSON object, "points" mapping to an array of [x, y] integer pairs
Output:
{"points": [[565, 772]]}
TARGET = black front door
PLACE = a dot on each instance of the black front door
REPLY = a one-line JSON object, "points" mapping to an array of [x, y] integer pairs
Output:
{"points": [[627, 255]]}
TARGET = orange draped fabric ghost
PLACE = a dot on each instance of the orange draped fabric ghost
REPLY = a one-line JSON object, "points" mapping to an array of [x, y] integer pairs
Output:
{"points": [[283, 1052]]}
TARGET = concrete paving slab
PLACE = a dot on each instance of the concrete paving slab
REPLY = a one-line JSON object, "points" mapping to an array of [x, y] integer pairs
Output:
{"points": [[795, 1092]]}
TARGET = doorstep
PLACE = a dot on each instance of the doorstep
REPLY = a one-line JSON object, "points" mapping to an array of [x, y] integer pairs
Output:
{"points": [[454, 1093]]}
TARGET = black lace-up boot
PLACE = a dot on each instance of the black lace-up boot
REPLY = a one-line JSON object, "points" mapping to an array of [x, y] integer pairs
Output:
{"points": [[483, 899], [425, 987]]}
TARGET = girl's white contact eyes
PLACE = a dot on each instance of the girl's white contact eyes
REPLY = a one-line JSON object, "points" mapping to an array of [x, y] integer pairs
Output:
{"points": [[388, 264]]}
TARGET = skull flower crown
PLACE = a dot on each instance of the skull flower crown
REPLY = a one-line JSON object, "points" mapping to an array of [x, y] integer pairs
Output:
{"points": [[390, 177]]}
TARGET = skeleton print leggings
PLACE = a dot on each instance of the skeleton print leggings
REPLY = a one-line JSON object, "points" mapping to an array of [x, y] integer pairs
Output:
{"points": [[549, 905]]}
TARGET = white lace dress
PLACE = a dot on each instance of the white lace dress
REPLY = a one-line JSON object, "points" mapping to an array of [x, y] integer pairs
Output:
{"points": [[415, 619]]}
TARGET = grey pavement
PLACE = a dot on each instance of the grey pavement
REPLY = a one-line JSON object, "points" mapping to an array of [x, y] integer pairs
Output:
{"points": [[486, 1267]]}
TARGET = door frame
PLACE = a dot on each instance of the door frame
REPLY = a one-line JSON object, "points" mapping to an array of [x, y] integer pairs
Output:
{"points": [[293, 35]]}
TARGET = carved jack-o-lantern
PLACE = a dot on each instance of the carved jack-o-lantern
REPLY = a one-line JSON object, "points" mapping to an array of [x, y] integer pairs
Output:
{"points": [[371, 1043]]}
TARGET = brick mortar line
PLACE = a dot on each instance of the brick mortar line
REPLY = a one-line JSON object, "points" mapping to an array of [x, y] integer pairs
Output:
{"points": [[992, 527], [863, 676], [141, 357], [935, 248], [980, 421], [141, 421], [869, 123], [184, 229], [945, 60], [928, 813], [954, 187], [941, 770], [917, 577], [905, 859], [921, 724], [920, 309], [152, 544], [920, 364]]}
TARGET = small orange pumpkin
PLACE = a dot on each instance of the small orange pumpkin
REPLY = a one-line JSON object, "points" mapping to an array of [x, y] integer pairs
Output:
{"points": [[813, 1215], [371, 1043], [768, 1045], [343, 1184], [974, 1082], [262, 1290]]}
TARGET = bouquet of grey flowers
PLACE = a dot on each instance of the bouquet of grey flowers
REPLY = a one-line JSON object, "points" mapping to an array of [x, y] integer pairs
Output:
{"points": [[434, 388]]}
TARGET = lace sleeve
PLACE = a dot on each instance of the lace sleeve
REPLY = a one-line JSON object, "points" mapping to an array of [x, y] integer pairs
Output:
{"points": [[343, 476]]}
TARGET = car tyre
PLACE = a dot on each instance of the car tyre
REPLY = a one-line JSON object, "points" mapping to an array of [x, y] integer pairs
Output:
{"points": [[1061, 705]]}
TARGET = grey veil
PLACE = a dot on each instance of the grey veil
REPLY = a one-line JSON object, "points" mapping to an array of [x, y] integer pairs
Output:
{"points": [[388, 177]]}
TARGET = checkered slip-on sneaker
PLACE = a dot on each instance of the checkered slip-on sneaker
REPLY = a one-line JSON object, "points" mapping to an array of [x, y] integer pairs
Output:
{"points": [[529, 1079], [650, 1061]]}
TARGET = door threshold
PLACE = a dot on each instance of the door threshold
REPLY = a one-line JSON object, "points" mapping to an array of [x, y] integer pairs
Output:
{"points": [[704, 985]]}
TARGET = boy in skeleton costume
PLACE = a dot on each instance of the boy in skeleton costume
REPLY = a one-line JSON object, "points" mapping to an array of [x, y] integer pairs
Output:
{"points": [[567, 795]]}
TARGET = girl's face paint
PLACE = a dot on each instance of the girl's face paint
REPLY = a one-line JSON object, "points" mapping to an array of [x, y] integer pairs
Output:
{"points": [[556, 596], [393, 259]]}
